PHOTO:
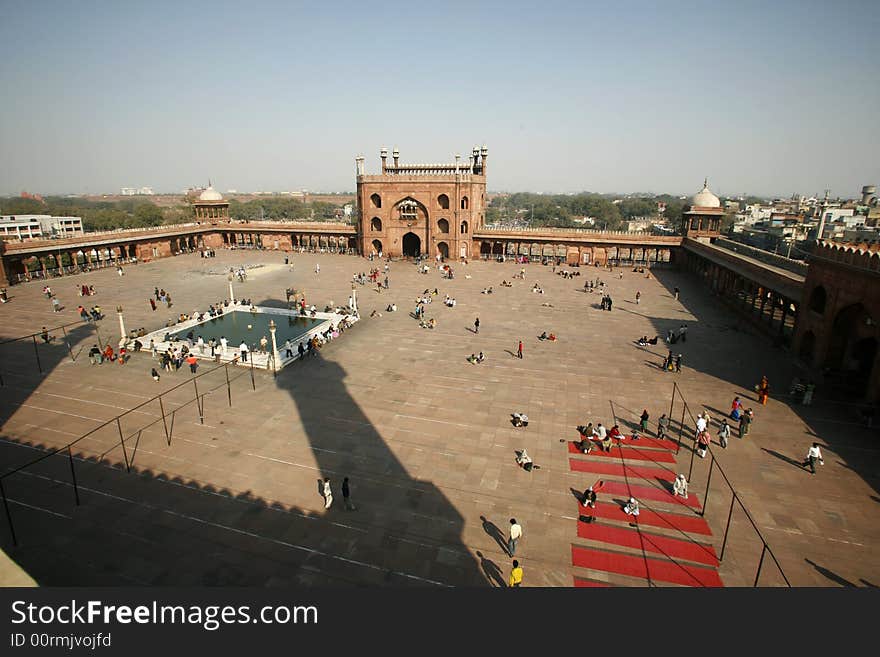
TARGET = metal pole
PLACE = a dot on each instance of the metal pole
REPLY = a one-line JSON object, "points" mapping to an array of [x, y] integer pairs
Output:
{"points": [[8, 514], [672, 401], [164, 423], [727, 527], [760, 563], [680, 428], [228, 387], [73, 475], [68, 344], [253, 383], [171, 431], [122, 442], [100, 341], [708, 482], [37, 354], [198, 402], [693, 454]]}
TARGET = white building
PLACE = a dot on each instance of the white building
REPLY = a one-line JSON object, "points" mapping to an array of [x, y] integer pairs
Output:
{"points": [[128, 191], [30, 226]]}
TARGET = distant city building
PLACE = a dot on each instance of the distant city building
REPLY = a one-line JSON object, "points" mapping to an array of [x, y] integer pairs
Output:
{"points": [[136, 191], [29, 226], [128, 191]]}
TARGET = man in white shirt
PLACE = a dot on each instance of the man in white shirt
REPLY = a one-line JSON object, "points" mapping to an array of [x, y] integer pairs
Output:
{"points": [[701, 423], [814, 454], [515, 535], [223, 344], [243, 348]]}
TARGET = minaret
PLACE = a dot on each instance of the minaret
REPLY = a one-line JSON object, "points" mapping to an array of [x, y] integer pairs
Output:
{"points": [[476, 155], [359, 160], [396, 155], [484, 153], [822, 219], [384, 155]]}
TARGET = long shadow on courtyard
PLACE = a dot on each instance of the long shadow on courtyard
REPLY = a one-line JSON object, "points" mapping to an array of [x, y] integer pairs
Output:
{"points": [[153, 527]]}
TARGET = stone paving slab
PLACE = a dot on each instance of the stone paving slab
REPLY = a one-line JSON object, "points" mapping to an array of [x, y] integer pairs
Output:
{"points": [[424, 435]]}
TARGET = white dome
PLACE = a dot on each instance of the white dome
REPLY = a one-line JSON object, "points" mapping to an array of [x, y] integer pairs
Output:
{"points": [[705, 198], [210, 194]]}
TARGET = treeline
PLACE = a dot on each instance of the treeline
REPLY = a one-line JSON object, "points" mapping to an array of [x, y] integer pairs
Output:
{"points": [[143, 213], [560, 210]]}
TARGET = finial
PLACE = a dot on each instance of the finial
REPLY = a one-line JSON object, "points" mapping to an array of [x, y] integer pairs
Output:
{"points": [[706, 182]]}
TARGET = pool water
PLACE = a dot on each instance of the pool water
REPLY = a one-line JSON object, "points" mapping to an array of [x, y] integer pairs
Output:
{"points": [[243, 325]]}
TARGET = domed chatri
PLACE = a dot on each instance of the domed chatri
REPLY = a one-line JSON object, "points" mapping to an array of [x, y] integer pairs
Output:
{"points": [[705, 198], [210, 194]]}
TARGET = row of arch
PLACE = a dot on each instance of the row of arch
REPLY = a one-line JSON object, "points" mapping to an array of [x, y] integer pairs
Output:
{"points": [[442, 226], [442, 201], [412, 246]]}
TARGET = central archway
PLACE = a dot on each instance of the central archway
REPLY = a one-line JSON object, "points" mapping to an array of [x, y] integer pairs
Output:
{"points": [[412, 245]]}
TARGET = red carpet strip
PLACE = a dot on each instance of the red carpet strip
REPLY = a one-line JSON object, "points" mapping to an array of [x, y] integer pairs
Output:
{"points": [[621, 470], [645, 442], [610, 511], [673, 548], [648, 493], [644, 568], [627, 453]]}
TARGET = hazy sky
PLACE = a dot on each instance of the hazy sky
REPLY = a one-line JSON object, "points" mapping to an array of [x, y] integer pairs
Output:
{"points": [[768, 97]]}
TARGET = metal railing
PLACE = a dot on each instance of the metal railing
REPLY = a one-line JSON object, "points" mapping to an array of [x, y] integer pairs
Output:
{"points": [[6, 346], [128, 440], [735, 497]]}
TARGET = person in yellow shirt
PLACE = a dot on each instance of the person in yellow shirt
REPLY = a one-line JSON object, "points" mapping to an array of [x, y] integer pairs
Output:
{"points": [[516, 574]]}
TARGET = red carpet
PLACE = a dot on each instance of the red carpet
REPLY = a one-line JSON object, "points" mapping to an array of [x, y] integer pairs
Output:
{"points": [[627, 453], [580, 583], [621, 470], [644, 441], [674, 548], [645, 568], [648, 493], [611, 511]]}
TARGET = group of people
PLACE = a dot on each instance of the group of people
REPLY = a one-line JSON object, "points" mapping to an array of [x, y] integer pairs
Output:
{"points": [[86, 290], [677, 335], [671, 363], [606, 302], [473, 360], [91, 315], [644, 341], [537, 288]]}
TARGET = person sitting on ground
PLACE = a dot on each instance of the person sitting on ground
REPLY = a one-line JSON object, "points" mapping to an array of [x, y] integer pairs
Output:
{"points": [[680, 487], [481, 357], [543, 336], [602, 436], [154, 374], [585, 445], [472, 359], [552, 337], [643, 341], [95, 356], [653, 340], [520, 420], [615, 433], [631, 508], [525, 461], [590, 494], [375, 313], [108, 353]]}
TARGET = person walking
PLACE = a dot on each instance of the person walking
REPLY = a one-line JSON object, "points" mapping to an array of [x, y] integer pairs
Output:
{"points": [[724, 433], [301, 350], [763, 390], [516, 575], [288, 352], [662, 426], [643, 421], [678, 364], [813, 454], [243, 348], [744, 423], [317, 268], [156, 292], [328, 494], [515, 535], [638, 297], [477, 325], [346, 495], [223, 343], [56, 305], [519, 350]]}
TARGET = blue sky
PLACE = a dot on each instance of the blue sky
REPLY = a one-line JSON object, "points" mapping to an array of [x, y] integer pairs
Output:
{"points": [[768, 98]]}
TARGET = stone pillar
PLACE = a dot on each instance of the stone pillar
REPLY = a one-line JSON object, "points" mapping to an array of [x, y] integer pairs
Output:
{"points": [[122, 333], [274, 345], [231, 293]]}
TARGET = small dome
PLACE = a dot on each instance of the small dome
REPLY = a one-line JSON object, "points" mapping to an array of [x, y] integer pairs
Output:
{"points": [[210, 194], [705, 198]]}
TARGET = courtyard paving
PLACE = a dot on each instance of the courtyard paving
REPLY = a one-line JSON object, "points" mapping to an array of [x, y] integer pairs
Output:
{"points": [[424, 436]]}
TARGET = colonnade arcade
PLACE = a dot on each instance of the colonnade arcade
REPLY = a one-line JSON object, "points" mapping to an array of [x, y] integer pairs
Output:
{"points": [[772, 310]]}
